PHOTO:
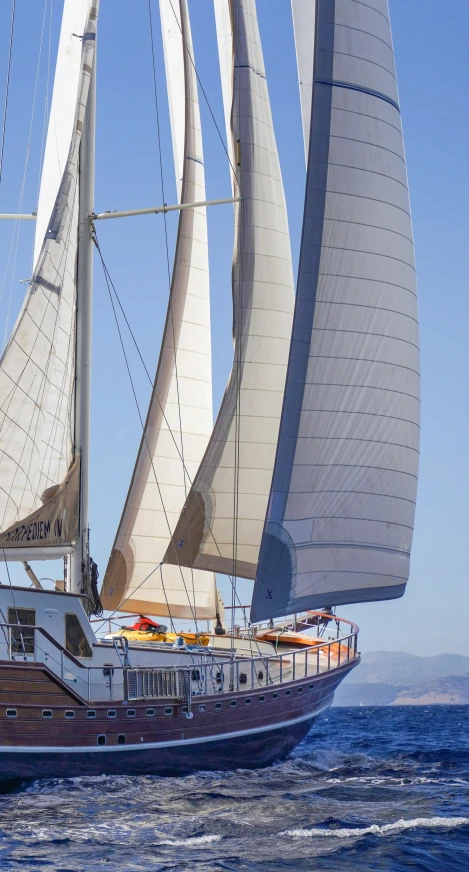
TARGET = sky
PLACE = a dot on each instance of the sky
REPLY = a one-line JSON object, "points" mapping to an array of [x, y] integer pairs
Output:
{"points": [[433, 76]]}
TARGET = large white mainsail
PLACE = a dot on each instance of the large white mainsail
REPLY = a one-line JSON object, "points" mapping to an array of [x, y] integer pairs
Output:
{"points": [[180, 417], [37, 367], [222, 523], [341, 511]]}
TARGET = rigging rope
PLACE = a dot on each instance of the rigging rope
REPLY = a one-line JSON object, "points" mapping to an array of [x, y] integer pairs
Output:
{"points": [[7, 89]]}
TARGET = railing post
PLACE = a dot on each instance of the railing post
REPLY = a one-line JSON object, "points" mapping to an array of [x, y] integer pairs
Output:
{"points": [[317, 662], [294, 664], [89, 684], [252, 674], [328, 655], [338, 655], [61, 663], [281, 668], [306, 663]]}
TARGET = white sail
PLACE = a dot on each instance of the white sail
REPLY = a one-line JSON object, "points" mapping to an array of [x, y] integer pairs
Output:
{"points": [[180, 415], [37, 367], [221, 526], [341, 511], [304, 12]]}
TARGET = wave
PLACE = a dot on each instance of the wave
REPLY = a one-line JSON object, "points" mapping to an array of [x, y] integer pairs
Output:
{"points": [[375, 829], [193, 842]]}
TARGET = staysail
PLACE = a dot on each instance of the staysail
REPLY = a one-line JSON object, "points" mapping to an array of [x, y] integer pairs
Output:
{"points": [[180, 417], [341, 510], [37, 367], [221, 526]]}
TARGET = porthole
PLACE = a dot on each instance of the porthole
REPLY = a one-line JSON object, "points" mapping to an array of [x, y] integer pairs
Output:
{"points": [[233, 703], [46, 713], [131, 713], [288, 693], [91, 713], [121, 739], [311, 686], [184, 710], [261, 698], [299, 690], [69, 714], [218, 706], [111, 713], [275, 696], [101, 740], [168, 710], [11, 713], [150, 713], [248, 700], [203, 707]]}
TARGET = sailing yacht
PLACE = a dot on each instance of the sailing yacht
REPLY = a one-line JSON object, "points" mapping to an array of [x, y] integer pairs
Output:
{"points": [[306, 481]]}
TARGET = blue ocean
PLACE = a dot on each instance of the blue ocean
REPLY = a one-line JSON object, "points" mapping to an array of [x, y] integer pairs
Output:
{"points": [[368, 789]]}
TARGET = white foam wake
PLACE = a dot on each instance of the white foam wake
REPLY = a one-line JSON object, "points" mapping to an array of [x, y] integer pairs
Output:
{"points": [[349, 833], [193, 842]]}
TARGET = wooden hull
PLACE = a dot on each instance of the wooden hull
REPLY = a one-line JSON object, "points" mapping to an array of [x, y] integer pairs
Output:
{"points": [[53, 736]]}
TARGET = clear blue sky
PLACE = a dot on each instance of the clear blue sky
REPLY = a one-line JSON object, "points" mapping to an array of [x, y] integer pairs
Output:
{"points": [[433, 74]]}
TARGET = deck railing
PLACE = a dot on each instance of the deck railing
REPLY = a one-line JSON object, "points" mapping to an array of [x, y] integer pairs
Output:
{"points": [[209, 673]]}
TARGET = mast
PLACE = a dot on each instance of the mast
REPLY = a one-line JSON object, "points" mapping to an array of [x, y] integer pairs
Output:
{"points": [[80, 559]]}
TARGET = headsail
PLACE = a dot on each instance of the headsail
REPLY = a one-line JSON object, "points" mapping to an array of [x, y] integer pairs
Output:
{"points": [[179, 420], [221, 526], [37, 367], [341, 510]]}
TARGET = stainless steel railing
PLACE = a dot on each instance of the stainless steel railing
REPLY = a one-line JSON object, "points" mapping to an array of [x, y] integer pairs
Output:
{"points": [[205, 676]]}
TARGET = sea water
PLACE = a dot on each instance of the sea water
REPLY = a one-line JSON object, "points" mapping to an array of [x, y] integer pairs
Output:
{"points": [[368, 789]]}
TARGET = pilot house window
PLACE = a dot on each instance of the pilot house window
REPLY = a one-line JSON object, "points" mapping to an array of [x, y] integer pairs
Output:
{"points": [[22, 641], [75, 639]]}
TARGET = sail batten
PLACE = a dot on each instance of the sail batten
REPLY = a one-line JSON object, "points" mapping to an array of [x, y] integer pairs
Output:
{"points": [[341, 509], [221, 526], [180, 418]]}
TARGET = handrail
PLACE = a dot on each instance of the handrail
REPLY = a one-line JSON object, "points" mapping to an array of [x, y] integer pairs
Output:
{"points": [[225, 676]]}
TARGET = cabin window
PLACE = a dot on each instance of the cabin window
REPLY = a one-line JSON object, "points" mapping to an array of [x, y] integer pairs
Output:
{"points": [[168, 710], [261, 698], [202, 708], [22, 641], [101, 740], [131, 713], [248, 700], [299, 690], [217, 706], [184, 710], [75, 640], [111, 713], [121, 739], [69, 714], [91, 713], [288, 693], [11, 713], [150, 713], [275, 696], [195, 675], [233, 703], [46, 713]]}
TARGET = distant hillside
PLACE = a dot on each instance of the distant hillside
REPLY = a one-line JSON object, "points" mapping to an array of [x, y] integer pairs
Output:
{"points": [[396, 678], [396, 667]]}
